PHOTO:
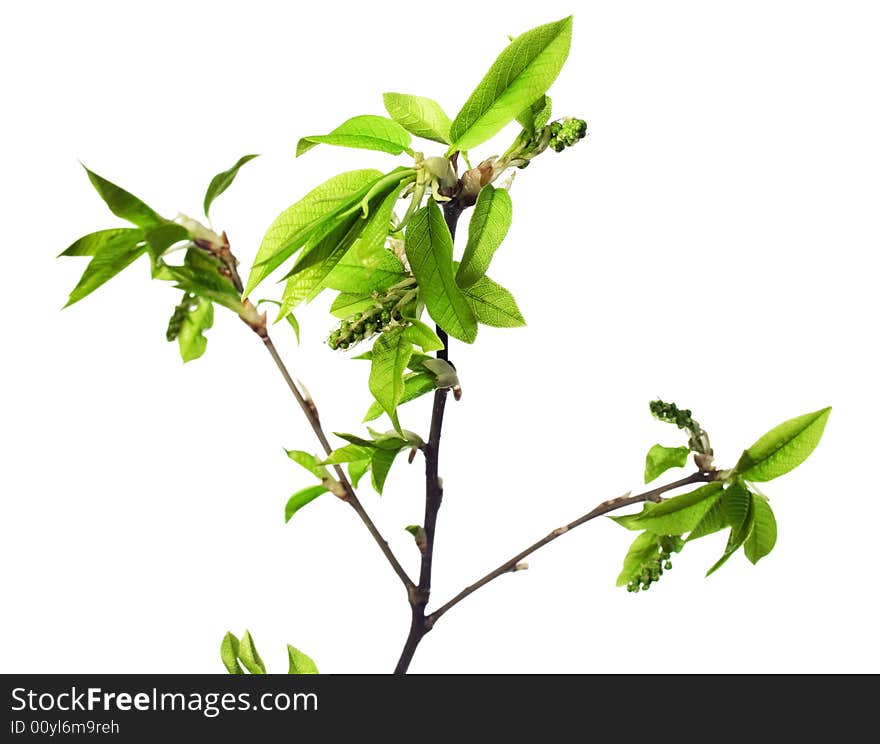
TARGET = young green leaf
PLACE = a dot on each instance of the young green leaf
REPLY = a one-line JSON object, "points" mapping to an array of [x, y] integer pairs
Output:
{"points": [[108, 260], [422, 335], [537, 115], [309, 462], [356, 471], [521, 73], [660, 459], [247, 652], [299, 287], [347, 303], [366, 132], [420, 116], [162, 237], [713, 521], [349, 453], [783, 448], [680, 514], [762, 537], [89, 245], [223, 181], [292, 227], [414, 386], [429, 250], [190, 336], [123, 204], [200, 275], [492, 304], [300, 499], [229, 654], [299, 662], [381, 463], [391, 352], [643, 549], [737, 503], [488, 226]]}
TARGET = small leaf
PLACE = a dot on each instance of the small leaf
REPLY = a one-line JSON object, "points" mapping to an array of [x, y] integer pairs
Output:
{"points": [[299, 662], [420, 116], [737, 503], [493, 305], [309, 462], [762, 536], [783, 448], [122, 204], [249, 656], [381, 463], [414, 386], [391, 352], [190, 336], [422, 335], [223, 181], [111, 258], [521, 73], [429, 250], [643, 549], [487, 229], [300, 499], [356, 471], [290, 229], [349, 453], [229, 654], [537, 115], [366, 132], [200, 274], [660, 459]]}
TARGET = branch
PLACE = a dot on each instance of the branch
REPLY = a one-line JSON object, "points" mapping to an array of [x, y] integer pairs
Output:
{"points": [[701, 476]]}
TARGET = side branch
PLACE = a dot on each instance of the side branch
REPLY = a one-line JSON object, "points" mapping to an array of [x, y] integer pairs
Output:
{"points": [[701, 476]]}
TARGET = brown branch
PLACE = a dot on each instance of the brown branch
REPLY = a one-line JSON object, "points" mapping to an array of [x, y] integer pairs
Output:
{"points": [[701, 476]]}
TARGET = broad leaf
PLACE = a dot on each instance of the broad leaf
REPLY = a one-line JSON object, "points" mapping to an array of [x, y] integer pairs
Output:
{"points": [[309, 462], [229, 654], [347, 304], [713, 521], [223, 181], [784, 448], [299, 662], [493, 305], [300, 287], [381, 463], [680, 514], [422, 117], [643, 549], [249, 656], [660, 459], [737, 503], [537, 115], [366, 132], [356, 471], [300, 499], [292, 227], [190, 336], [349, 453], [123, 204], [108, 260], [415, 385], [488, 226], [429, 250], [391, 352], [422, 335], [89, 245], [762, 537], [521, 73]]}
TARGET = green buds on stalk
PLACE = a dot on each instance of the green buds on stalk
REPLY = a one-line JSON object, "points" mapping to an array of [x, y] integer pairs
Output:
{"points": [[683, 419], [654, 566], [386, 313], [566, 133]]}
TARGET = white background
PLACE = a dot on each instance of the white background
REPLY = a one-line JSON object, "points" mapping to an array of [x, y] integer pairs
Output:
{"points": [[714, 242]]}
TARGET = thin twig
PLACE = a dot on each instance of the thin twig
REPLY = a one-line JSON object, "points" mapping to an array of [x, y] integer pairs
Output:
{"points": [[701, 476]]}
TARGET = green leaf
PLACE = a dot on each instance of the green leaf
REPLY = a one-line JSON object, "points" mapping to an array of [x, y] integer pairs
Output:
{"points": [[762, 536], [299, 662], [356, 471], [229, 654], [309, 462], [422, 335], [347, 304], [162, 237], [123, 204], [108, 260], [420, 116], [660, 459], [391, 352], [414, 386], [292, 227], [300, 499], [679, 514], [521, 73], [223, 181], [299, 287], [381, 463], [389, 440], [643, 549], [488, 226], [249, 656], [737, 503], [200, 274], [429, 250], [367, 132], [537, 115], [784, 448], [89, 245], [713, 521], [349, 453], [493, 305], [196, 321]]}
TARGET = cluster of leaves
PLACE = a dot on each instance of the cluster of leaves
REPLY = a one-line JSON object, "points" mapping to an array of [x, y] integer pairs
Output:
{"points": [[730, 501], [234, 650]]}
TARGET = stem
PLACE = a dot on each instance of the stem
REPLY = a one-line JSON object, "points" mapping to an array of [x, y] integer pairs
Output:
{"points": [[701, 476], [311, 413]]}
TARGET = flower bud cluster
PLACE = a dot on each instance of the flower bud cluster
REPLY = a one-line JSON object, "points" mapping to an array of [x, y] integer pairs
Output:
{"points": [[384, 314]]}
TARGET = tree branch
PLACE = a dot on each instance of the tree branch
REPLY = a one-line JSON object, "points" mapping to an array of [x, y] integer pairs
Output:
{"points": [[701, 476]]}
